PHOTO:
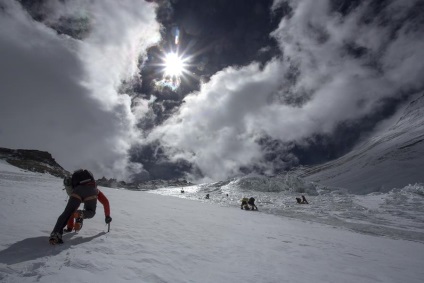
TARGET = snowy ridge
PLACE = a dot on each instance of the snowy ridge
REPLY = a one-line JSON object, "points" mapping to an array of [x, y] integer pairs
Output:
{"points": [[391, 159], [157, 238]]}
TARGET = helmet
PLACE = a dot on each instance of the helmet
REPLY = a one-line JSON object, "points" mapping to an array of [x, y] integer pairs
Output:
{"points": [[81, 177], [67, 181]]}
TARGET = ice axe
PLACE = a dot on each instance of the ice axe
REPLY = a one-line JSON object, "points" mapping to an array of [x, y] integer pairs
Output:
{"points": [[108, 219]]}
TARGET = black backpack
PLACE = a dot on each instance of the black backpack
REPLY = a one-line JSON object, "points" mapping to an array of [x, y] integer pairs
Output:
{"points": [[81, 177]]}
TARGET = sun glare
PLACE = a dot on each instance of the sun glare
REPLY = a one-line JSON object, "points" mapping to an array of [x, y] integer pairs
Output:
{"points": [[174, 65]]}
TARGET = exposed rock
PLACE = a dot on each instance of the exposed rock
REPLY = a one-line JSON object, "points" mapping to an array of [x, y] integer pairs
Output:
{"points": [[33, 160]]}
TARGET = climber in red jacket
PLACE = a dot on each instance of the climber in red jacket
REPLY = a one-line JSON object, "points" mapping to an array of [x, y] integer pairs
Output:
{"points": [[71, 225]]}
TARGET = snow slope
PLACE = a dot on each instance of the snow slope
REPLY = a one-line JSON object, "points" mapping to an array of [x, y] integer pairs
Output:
{"points": [[391, 159], [398, 214], [157, 238]]}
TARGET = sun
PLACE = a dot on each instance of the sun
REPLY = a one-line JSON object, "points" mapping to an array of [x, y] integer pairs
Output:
{"points": [[175, 69], [174, 65]]}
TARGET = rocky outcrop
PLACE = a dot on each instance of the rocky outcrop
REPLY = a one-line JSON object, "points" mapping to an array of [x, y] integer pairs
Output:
{"points": [[33, 160]]}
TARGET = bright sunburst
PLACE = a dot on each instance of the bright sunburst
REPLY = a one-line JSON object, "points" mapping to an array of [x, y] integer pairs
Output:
{"points": [[175, 68], [174, 65]]}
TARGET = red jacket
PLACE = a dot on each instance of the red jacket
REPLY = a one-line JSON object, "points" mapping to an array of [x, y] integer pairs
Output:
{"points": [[104, 201]]}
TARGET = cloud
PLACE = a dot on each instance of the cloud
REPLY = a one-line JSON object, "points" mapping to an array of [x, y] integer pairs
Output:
{"points": [[335, 68], [61, 79], [61, 94]]}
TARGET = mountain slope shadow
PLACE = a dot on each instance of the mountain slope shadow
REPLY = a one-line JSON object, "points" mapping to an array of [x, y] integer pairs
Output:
{"points": [[33, 248]]}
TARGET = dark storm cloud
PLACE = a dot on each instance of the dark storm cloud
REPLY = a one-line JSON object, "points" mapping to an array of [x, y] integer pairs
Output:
{"points": [[341, 63], [60, 93]]}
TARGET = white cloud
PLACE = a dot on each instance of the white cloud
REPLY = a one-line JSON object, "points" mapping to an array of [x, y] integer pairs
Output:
{"points": [[218, 127], [60, 94]]}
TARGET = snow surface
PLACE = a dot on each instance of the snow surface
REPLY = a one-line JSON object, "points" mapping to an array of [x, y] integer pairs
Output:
{"points": [[156, 238], [398, 214]]}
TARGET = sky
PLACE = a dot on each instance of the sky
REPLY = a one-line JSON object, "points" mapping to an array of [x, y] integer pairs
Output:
{"points": [[267, 85], [156, 238]]}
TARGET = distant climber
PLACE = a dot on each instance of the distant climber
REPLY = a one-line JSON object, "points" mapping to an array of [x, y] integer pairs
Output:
{"points": [[302, 200], [251, 202], [207, 196], [244, 204], [182, 190]]}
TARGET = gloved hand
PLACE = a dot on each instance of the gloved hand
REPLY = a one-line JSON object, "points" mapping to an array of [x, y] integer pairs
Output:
{"points": [[108, 219]]}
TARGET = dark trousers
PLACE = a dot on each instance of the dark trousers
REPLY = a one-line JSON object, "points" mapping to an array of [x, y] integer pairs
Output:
{"points": [[74, 203]]}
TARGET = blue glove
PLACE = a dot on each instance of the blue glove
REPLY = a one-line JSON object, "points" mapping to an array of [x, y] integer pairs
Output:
{"points": [[108, 219]]}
